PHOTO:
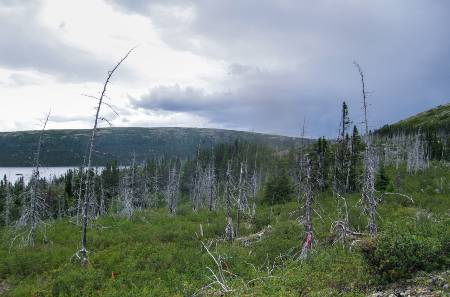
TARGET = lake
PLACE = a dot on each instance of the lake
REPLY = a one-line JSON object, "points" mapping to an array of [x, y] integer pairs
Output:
{"points": [[14, 173]]}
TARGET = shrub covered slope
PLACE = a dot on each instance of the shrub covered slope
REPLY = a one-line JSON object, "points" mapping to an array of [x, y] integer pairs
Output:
{"points": [[155, 254]]}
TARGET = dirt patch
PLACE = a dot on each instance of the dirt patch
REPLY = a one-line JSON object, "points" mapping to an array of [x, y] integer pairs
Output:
{"points": [[426, 285]]}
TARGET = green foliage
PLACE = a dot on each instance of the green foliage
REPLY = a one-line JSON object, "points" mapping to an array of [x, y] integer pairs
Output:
{"points": [[382, 179], [278, 189], [433, 125], [329, 272], [399, 252], [437, 119], [155, 254]]}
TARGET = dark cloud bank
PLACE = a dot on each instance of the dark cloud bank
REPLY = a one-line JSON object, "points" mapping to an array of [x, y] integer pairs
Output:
{"points": [[286, 59], [305, 51]]}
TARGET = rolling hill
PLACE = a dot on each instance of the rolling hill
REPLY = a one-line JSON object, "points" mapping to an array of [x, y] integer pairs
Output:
{"points": [[67, 147], [436, 119]]}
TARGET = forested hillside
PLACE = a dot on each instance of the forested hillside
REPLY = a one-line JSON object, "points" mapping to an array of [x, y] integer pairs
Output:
{"points": [[68, 147], [436, 120], [431, 127]]}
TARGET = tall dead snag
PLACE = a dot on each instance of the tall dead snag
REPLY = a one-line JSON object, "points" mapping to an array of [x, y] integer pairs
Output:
{"points": [[228, 196], [32, 213], [300, 164], [211, 185], [102, 208], [239, 201], [307, 220], [127, 193], [155, 181], [82, 254], [197, 183], [254, 188], [8, 204], [368, 191], [173, 187], [80, 193], [364, 96], [126, 207]]}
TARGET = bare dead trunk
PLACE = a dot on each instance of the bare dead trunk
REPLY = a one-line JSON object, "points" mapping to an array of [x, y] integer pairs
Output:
{"points": [[229, 227], [239, 202], [36, 204], [83, 251], [309, 196], [368, 194]]}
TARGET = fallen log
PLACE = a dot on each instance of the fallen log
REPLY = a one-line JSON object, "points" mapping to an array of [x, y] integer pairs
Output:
{"points": [[249, 239]]}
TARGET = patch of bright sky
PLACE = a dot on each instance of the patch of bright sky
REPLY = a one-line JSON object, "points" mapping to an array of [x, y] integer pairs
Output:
{"points": [[106, 33]]}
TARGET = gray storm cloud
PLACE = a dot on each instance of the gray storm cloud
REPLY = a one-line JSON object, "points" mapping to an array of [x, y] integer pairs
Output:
{"points": [[284, 60], [305, 52]]}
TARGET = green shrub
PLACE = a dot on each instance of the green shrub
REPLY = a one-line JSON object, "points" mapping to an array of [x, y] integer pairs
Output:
{"points": [[279, 189], [399, 253]]}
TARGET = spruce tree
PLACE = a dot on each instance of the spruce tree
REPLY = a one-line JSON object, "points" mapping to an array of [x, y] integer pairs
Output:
{"points": [[382, 179], [357, 147], [342, 158]]}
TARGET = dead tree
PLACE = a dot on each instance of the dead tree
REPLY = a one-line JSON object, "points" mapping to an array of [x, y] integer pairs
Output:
{"points": [[129, 198], [82, 254], [239, 203], [8, 204], [211, 185], [155, 185], [254, 180], [218, 278], [368, 193], [173, 187], [126, 195], [254, 188], [300, 163], [204, 190], [416, 157], [228, 196], [32, 213], [80, 194], [102, 208], [146, 195], [364, 96], [197, 183], [307, 219]]}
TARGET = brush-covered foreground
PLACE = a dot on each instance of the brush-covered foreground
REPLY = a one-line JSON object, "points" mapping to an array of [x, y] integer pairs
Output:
{"points": [[155, 254]]}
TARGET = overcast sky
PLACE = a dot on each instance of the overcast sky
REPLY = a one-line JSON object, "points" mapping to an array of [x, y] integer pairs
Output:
{"points": [[250, 65]]}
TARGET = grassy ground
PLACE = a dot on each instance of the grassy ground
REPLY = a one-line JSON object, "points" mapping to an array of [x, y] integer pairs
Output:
{"points": [[158, 255]]}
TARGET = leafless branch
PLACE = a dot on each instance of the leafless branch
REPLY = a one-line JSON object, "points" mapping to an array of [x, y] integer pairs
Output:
{"points": [[83, 250]]}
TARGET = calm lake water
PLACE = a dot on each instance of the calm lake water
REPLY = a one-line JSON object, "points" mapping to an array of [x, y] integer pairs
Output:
{"points": [[14, 173]]}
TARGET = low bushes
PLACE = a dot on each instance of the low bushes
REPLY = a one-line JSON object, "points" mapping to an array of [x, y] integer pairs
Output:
{"points": [[400, 252]]}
